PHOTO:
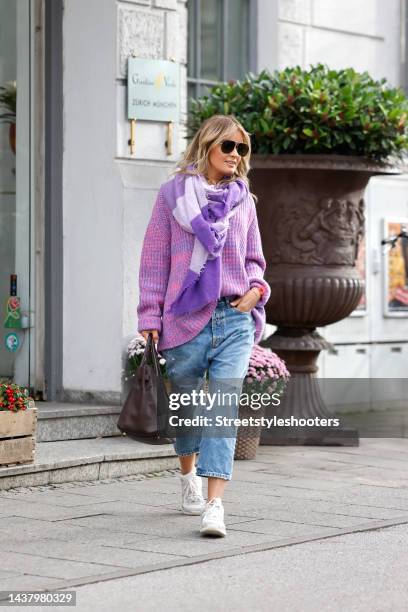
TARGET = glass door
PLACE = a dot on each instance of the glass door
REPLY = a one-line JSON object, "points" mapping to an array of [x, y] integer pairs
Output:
{"points": [[15, 190]]}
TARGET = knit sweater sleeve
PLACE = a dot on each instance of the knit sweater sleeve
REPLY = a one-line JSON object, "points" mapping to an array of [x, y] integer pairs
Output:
{"points": [[255, 263], [154, 267]]}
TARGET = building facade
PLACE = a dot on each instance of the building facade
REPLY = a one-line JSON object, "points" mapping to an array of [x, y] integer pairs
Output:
{"points": [[75, 201]]}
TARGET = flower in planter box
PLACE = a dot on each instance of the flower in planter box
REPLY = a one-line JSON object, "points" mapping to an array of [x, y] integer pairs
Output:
{"points": [[13, 397], [267, 373], [135, 350]]}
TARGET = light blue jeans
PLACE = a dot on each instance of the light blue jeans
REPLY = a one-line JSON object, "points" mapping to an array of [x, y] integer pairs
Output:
{"points": [[223, 347]]}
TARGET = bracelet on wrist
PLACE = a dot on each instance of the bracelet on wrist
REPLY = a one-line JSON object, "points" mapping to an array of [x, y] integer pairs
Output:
{"points": [[260, 289]]}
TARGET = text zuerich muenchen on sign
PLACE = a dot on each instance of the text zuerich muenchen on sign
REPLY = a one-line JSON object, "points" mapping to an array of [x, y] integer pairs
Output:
{"points": [[154, 103]]}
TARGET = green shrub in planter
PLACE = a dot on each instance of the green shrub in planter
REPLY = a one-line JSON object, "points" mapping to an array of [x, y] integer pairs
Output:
{"points": [[313, 111]]}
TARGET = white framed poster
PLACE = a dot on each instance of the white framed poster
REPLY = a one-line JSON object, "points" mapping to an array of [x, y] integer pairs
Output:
{"points": [[395, 270]]}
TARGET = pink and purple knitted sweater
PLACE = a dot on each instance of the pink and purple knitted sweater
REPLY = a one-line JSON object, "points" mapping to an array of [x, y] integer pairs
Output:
{"points": [[165, 259]]}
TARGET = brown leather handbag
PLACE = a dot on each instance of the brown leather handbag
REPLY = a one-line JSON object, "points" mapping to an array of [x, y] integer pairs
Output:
{"points": [[145, 412]]}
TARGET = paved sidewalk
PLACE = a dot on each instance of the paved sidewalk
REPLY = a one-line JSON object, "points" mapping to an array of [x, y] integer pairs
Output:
{"points": [[113, 541]]}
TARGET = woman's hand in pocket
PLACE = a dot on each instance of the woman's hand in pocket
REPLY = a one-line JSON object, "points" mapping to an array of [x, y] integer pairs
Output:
{"points": [[246, 302]]}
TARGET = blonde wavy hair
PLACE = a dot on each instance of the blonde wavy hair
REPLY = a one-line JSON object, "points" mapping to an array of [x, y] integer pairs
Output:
{"points": [[212, 132]]}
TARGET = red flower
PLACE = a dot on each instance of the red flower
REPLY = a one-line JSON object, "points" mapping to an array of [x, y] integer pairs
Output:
{"points": [[13, 397]]}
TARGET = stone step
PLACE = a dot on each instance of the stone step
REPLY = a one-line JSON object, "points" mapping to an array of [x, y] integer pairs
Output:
{"points": [[65, 421], [90, 459]]}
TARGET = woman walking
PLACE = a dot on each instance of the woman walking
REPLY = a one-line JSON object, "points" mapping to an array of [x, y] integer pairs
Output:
{"points": [[202, 292]]}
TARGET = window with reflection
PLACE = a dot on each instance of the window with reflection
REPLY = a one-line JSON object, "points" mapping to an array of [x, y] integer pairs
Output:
{"points": [[218, 42]]}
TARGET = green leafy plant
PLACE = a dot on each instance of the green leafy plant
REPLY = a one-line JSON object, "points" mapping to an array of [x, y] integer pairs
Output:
{"points": [[313, 111], [8, 101]]}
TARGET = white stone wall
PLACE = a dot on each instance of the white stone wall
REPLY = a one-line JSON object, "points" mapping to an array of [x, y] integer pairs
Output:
{"points": [[154, 32], [92, 201], [108, 193], [363, 34]]}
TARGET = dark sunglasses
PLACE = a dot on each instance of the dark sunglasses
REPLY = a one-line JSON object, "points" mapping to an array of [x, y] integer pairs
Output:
{"points": [[227, 146]]}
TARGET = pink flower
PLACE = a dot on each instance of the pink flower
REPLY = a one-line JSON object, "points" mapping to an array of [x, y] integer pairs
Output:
{"points": [[265, 365]]}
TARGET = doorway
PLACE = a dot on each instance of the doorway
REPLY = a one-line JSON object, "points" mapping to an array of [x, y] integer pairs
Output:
{"points": [[16, 291]]}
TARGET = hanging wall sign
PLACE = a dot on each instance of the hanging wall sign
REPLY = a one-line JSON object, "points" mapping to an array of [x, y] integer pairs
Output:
{"points": [[11, 342], [153, 90], [13, 313]]}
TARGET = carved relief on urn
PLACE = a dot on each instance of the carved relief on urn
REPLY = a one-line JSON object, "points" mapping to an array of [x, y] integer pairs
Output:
{"points": [[321, 232]]}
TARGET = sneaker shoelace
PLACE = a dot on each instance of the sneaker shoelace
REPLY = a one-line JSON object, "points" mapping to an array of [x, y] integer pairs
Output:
{"points": [[212, 508], [193, 490]]}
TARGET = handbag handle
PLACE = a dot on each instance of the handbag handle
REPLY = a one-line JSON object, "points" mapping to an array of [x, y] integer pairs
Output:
{"points": [[150, 352]]}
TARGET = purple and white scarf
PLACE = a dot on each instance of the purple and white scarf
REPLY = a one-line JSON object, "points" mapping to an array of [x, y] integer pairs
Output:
{"points": [[205, 212]]}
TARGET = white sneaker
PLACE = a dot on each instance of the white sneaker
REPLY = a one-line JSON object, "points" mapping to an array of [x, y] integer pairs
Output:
{"points": [[212, 518], [192, 500]]}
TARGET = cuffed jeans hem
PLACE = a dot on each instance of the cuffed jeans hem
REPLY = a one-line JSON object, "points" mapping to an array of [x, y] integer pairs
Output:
{"points": [[188, 453], [207, 474]]}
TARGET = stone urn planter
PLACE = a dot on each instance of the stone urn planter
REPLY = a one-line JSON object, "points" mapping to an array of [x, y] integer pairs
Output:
{"points": [[311, 219]]}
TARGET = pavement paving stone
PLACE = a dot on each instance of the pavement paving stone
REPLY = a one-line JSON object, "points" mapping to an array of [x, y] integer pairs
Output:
{"points": [[131, 494], [282, 529], [6, 574], [198, 545], [113, 555], [64, 499], [306, 516], [52, 567], [70, 533], [280, 509], [360, 494], [28, 582], [125, 488], [52, 513]]}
